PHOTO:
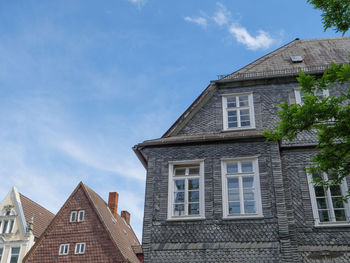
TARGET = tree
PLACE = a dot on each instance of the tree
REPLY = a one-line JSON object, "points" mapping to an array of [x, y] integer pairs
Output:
{"points": [[328, 117], [336, 13]]}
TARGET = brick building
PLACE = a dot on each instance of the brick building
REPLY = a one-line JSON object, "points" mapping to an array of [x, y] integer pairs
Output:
{"points": [[216, 191], [87, 229], [22, 221]]}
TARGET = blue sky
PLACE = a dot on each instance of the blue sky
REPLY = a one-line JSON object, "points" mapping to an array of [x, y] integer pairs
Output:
{"points": [[83, 81]]}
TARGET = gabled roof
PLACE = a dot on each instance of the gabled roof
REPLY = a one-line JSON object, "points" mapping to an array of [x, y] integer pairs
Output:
{"points": [[316, 55], [119, 231], [41, 216]]}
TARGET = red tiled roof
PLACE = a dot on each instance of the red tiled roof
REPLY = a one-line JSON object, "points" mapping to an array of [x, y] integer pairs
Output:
{"points": [[42, 217], [121, 233]]}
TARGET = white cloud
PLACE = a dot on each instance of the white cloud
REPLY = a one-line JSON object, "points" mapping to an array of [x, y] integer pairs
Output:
{"points": [[201, 21], [222, 16], [138, 3], [262, 41]]}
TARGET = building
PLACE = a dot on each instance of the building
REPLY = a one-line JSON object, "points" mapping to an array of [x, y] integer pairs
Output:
{"points": [[22, 221], [87, 229], [216, 191]]}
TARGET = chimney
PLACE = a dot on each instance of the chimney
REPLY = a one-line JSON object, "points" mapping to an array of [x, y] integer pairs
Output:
{"points": [[113, 203], [126, 216]]}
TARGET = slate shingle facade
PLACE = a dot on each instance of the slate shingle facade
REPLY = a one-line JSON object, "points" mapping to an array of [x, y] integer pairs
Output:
{"points": [[286, 232]]}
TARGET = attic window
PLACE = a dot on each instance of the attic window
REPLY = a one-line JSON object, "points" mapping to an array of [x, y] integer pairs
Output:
{"points": [[296, 59]]}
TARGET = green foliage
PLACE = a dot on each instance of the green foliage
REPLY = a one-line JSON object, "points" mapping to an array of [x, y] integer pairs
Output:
{"points": [[328, 117], [336, 13]]}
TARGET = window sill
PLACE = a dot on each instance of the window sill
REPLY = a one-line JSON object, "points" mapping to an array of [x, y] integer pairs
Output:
{"points": [[331, 225], [238, 129], [186, 218], [243, 217]]}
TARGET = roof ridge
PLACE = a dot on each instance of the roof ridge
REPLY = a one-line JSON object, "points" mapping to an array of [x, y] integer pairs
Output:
{"points": [[267, 56]]}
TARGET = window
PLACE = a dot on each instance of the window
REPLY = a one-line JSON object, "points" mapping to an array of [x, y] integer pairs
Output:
{"points": [[299, 95], [64, 249], [1, 250], [73, 216], [327, 205], [7, 226], [186, 190], [241, 188], [4, 226], [80, 248], [238, 111], [81, 215], [14, 254]]}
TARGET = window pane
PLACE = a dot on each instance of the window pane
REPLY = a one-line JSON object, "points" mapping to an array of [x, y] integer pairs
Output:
{"points": [[193, 184], [319, 191], [248, 194], [232, 118], [232, 124], [194, 171], [231, 102], [180, 171], [324, 217], [232, 168], [247, 167], [335, 190], [232, 113], [179, 197], [337, 202], [5, 226], [322, 203], [232, 183], [193, 209], [81, 215], [340, 215], [15, 250], [248, 182], [193, 196], [243, 101], [234, 208], [179, 210], [249, 207], [233, 195], [179, 185], [11, 226]]}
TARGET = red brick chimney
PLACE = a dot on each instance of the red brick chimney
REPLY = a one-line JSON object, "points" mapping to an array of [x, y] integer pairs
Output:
{"points": [[113, 203], [126, 216]]}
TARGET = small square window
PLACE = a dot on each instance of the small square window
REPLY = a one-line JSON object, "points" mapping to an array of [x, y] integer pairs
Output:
{"points": [[64, 249], [238, 111], [73, 216], [81, 215], [80, 248]]}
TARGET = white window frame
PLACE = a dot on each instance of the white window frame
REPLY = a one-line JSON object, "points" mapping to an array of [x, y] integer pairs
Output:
{"points": [[171, 189], [11, 254], [298, 98], [81, 212], [250, 107], [344, 190], [75, 213], [63, 250], [240, 175], [7, 230], [78, 248]]}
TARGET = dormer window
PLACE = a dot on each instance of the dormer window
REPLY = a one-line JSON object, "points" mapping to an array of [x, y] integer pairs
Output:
{"points": [[6, 226], [238, 111]]}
